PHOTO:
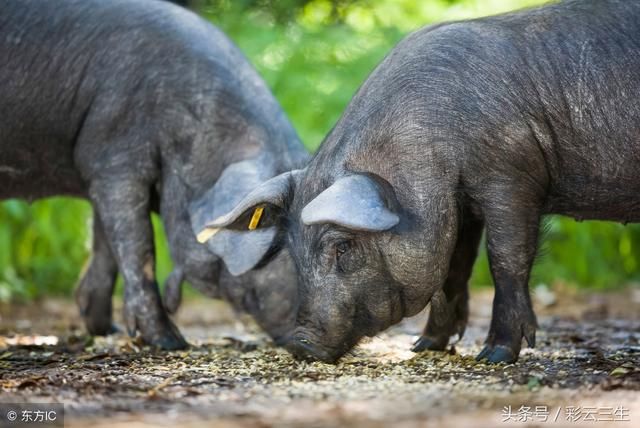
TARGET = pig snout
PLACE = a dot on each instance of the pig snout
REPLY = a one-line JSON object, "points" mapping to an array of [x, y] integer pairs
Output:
{"points": [[303, 346]]}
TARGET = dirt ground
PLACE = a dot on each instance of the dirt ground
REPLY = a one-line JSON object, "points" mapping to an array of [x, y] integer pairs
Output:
{"points": [[587, 357]]}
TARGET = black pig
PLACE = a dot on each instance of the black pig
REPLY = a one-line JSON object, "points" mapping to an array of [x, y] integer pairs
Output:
{"points": [[140, 106], [483, 124]]}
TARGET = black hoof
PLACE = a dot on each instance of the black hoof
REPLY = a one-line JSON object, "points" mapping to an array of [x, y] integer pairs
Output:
{"points": [[170, 343], [428, 344], [497, 354], [164, 336], [114, 329], [100, 326]]}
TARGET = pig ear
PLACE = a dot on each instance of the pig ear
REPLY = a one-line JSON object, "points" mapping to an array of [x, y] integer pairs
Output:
{"points": [[242, 251], [271, 195], [235, 182], [355, 202], [239, 217]]}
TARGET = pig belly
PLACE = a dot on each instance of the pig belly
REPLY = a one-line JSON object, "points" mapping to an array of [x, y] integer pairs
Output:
{"points": [[592, 200], [32, 174]]}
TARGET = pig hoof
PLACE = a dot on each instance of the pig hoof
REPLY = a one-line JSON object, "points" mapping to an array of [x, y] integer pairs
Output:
{"points": [[497, 354], [95, 310], [165, 337], [157, 331], [168, 340], [429, 344], [100, 328], [113, 329], [98, 323], [170, 343]]}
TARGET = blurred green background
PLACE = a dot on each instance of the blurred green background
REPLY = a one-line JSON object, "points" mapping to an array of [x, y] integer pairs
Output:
{"points": [[314, 54]]}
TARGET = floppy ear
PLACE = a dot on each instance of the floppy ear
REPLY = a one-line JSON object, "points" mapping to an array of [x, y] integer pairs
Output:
{"points": [[242, 251], [355, 202], [238, 217], [273, 193]]}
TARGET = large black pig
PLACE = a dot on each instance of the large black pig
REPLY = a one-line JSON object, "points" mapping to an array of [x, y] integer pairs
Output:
{"points": [[140, 106], [483, 124]]}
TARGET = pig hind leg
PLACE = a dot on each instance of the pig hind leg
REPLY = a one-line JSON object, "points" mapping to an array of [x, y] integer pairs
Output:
{"points": [[448, 314], [124, 209], [95, 289], [512, 239]]}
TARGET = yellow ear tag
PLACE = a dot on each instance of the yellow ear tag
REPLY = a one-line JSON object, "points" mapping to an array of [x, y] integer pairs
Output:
{"points": [[255, 218], [206, 234]]}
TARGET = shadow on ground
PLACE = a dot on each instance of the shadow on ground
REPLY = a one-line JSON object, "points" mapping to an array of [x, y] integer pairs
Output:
{"points": [[587, 356]]}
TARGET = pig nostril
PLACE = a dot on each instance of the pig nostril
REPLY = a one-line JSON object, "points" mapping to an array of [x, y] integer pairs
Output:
{"points": [[304, 349], [301, 348]]}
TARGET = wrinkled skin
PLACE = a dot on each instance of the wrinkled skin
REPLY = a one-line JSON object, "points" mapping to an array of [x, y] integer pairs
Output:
{"points": [[487, 124], [141, 106]]}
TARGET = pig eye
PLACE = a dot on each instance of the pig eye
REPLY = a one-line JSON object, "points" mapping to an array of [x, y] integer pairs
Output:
{"points": [[349, 256], [343, 255], [341, 248]]}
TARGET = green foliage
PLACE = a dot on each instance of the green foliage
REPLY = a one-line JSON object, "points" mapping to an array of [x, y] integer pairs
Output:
{"points": [[592, 254], [42, 246], [314, 54], [325, 53]]}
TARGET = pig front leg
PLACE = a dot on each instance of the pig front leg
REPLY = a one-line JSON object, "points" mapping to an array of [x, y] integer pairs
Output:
{"points": [[95, 289], [512, 239], [123, 208], [450, 306], [173, 290], [193, 261]]}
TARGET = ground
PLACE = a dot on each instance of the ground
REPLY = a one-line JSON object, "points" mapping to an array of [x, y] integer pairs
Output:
{"points": [[587, 356]]}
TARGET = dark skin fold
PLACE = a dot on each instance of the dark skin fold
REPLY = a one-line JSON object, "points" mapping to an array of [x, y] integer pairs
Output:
{"points": [[488, 124]]}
